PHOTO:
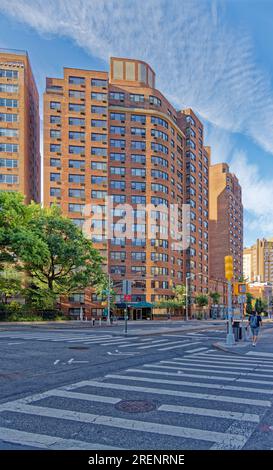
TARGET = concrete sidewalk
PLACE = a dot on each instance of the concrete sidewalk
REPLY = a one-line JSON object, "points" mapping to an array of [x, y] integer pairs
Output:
{"points": [[264, 344]]}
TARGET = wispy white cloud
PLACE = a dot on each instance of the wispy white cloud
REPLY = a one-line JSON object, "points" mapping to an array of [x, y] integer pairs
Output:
{"points": [[257, 195], [200, 61]]}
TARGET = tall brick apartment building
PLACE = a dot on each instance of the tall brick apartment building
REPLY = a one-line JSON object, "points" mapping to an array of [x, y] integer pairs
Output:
{"points": [[19, 126], [226, 221], [114, 134]]}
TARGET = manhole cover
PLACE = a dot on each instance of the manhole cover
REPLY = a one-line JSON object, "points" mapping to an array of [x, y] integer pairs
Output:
{"points": [[78, 347], [135, 406]]}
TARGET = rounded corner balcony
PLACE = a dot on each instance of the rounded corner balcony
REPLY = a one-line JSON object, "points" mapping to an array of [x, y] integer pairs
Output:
{"points": [[132, 72]]}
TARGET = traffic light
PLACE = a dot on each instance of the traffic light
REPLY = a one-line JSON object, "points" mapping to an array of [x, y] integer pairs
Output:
{"points": [[229, 267]]}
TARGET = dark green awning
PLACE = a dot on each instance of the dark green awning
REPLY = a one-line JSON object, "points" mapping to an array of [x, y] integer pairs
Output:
{"points": [[134, 305]]}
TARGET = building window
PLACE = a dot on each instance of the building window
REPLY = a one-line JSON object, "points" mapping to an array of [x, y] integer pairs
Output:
{"points": [[76, 163], [55, 162], [8, 73], [138, 172], [76, 135], [98, 194], [159, 134], [117, 130], [117, 170], [99, 166], [138, 118], [118, 143], [7, 88], [7, 117], [76, 178], [13, 148], [99, 82], [79, 193], [136, 98], [96, 137], [55, 105], [118, 157], [98, 123], [76, 94], [99, 151], [138, 145], [8, 163], [76, 208], [154, 101], [8, 102], [76, 107], [73, 121], [117, 117], [99, 180], [76, 149], [55, 192], [139, 131], [54, 134], [114, 95], [55, 177], [9, 132], [55, 119], [9, 179], [159, 148], [98, 96], [159, 121], [98, 109], [117, 185], [55, 148], [77, 80], [138, 199], [138, 158]]}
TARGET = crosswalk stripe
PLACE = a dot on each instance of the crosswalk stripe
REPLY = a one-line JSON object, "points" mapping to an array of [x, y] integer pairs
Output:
{"points": [[242, 358], [181, 374], [190, 363], [232, 361], [44, 441], [211, 412], [240, 428], [256, 353], [191, 384], [82, 396], [181, 345], [202, 360], [207, 370], [190, 351], [174, 393], [232, 441], [157, 342]]}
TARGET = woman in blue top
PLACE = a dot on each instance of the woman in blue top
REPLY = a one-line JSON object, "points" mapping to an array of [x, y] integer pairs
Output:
{"points": [[255, 321]]}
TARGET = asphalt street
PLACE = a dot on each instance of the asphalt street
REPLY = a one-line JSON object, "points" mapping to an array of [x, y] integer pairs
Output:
{"points": [[163, 386]]}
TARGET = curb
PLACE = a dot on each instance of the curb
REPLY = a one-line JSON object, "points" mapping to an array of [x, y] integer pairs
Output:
{"points": [[230, 350]]}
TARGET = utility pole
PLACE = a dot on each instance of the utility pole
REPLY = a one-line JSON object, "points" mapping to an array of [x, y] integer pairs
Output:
{"points": [[108, 300], [187, 299], [230, 341]]}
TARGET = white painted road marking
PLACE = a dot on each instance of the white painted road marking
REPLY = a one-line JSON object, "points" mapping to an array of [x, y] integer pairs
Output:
{"points": [[44, 441], [231, 441], [211, 412]]}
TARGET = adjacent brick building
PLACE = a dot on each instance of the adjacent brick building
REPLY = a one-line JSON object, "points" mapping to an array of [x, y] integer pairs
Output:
{"points": [[116, 134], [19, 126], [226, 221], [258, 261]]}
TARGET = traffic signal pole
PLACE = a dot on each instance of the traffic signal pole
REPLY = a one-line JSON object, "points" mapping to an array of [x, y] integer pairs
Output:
{"points": [[230, 336], [230, 340]]}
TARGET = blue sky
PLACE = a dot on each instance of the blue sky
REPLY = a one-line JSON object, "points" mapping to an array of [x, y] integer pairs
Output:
{"points": [[215, 56]]}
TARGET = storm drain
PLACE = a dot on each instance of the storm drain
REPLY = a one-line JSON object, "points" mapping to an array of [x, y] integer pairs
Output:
{"points": [[135, 406], [80, 348]]}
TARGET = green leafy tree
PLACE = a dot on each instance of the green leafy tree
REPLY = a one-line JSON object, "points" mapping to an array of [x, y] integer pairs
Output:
{"points": [[215, 297], [56, 254], [51, 251], [258, 306], [249, 298], [201, 301]]}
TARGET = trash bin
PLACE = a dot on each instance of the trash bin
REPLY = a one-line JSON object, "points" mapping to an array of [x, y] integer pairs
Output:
{"points": [[237, 330]]}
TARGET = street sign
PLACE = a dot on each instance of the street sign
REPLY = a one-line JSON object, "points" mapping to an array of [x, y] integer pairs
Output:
{"points": [[241, 299]]}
